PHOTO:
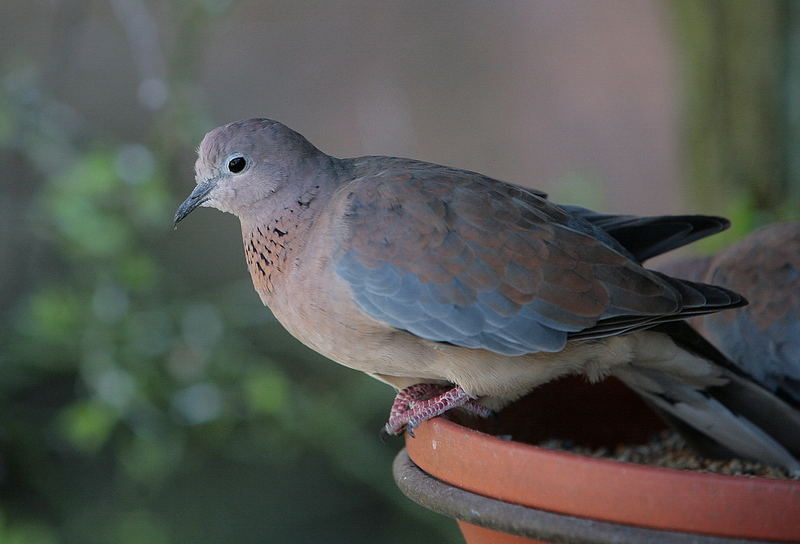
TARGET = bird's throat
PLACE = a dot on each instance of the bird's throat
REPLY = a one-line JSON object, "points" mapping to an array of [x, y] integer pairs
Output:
{"points": [[269, 245]]}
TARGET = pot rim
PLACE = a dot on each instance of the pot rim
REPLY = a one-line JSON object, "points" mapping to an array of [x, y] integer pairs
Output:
{"points": [[605, 489], [524, 521]]}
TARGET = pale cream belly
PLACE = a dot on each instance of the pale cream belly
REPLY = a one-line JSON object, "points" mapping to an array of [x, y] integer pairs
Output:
{"points": [[343, 333]]}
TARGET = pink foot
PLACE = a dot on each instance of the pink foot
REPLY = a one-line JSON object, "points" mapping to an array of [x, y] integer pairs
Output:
{"points": [[423, 401]]}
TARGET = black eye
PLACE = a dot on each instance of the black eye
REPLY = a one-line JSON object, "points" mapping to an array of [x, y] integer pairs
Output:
{"points": [[237, 164]]}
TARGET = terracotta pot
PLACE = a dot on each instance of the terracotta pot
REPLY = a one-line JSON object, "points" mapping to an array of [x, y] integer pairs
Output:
{"points": [[504, 491]]}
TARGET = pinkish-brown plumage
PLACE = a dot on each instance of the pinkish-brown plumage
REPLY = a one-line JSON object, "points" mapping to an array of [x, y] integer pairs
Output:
{"points": [[417, 273]]}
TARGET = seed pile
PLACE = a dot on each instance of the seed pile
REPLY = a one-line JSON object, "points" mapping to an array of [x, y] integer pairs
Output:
{"points": [[667, 449]]}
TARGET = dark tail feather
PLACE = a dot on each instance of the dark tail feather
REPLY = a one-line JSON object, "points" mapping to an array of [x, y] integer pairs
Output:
{"points": [[647, 237]]}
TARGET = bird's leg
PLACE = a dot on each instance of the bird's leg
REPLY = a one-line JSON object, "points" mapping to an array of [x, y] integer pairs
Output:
{"points": [[405, 398], [423, 401]]}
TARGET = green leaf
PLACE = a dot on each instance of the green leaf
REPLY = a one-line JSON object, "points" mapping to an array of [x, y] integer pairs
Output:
{"points": [[87, 425], [266, 391]]}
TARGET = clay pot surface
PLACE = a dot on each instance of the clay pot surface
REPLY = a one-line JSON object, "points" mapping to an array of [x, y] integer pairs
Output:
{"points": [[475, 534], [600, 489]]}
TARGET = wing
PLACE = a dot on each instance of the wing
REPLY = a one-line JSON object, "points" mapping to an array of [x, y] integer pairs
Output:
{"points": [[452, 256]]}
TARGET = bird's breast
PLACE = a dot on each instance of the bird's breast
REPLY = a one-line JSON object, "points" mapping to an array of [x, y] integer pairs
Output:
{"points": [[289, 264]]}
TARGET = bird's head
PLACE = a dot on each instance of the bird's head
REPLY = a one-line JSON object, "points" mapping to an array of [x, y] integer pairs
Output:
{"points": [[242, 163]]}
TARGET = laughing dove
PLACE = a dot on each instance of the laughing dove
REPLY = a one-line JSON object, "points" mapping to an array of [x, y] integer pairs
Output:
{"points": [[763, 338], [463, 291]]}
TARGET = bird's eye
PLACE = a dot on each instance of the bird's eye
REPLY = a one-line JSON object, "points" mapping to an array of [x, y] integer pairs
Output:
{"points": [[237, 164]]}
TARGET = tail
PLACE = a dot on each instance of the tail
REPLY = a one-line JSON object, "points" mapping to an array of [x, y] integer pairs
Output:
{"points": [[733, 416], [647, 237]]}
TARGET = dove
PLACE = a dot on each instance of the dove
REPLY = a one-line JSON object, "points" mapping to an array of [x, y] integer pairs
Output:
{"points": [[763, 338], [462, 291]]}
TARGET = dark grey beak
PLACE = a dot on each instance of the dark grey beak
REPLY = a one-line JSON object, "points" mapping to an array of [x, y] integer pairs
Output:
{"points": [[198, 196]]}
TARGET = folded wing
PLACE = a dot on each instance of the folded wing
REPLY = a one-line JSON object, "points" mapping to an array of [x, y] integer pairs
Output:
{"points": [[455, 257]]}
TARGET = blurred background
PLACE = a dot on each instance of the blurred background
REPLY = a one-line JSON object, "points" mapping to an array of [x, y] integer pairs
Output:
{"points": [[145, 393]]}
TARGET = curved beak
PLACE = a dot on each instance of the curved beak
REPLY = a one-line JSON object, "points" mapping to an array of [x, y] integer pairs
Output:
{"points": [[196, 198]]}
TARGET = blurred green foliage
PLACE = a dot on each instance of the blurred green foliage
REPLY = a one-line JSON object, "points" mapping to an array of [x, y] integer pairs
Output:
{"points": [[740, 65], [139, 405]]}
